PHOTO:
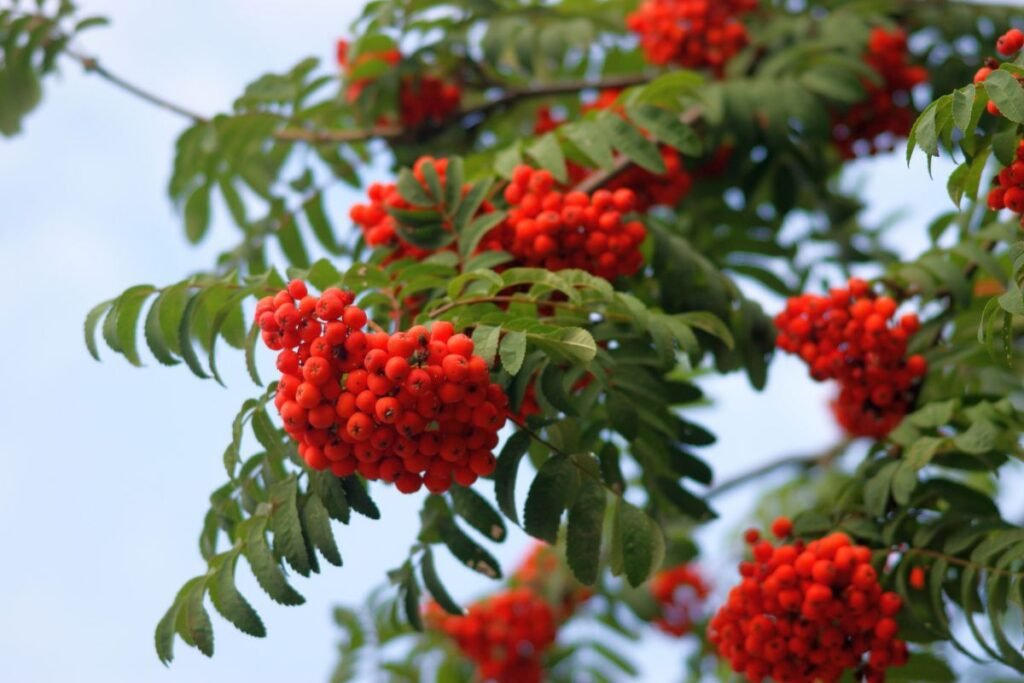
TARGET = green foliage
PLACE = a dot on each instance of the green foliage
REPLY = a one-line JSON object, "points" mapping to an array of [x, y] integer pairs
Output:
{"points": [[601, 375]]}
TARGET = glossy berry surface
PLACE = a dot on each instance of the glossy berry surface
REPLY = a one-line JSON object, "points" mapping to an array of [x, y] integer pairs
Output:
{"points": [[807, 613], [414, 408], [852, 336]]}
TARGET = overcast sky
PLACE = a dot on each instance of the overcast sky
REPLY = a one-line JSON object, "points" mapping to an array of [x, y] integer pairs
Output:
{"points": [[107, 468]]}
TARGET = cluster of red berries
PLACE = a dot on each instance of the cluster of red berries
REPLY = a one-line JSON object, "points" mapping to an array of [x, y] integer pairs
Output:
{"points": [[694, 34], [411, 408], [805, 613], [380, 227], [505, 635], [1009, 44], [886, 114], [423, 99], [556, 230], [847, 336], [652, 189], [1008, 190], [680, 592]]}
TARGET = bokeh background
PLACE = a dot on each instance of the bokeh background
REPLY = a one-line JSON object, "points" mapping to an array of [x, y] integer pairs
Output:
{"points": [[106, 468]]}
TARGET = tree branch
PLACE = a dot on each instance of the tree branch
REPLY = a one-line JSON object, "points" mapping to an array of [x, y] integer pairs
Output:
{"points": [[92, 65], [801, 462], [509, 97]]}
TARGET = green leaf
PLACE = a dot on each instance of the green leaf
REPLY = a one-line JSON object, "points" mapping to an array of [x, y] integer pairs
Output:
{"points": [[188, 352], [329, 490], [512, 351], [250, 354], [626, 138], [317, 524], [265, 568], [127, 311], [1007, 93], [979, 438], [904, 481], [197, 214], [552, 386], [686, 502], [411, 599], [317, 217], [552, 491], [92, 320], [876, 491], [622, 413], [472, 507], [466, 550], [434, 186], [163, 637], [485, 342], [470, 238], [963, 106], [590, 139], [583, 537], [470, 204], [411, 190], [571, 343], [193, 622], [158, 344], [921, 668], [710, 323], [548, 153], [434, 585], [358, 497], [229, 602], [666, 127], [291, 242], [506, 472], [641, 543]]}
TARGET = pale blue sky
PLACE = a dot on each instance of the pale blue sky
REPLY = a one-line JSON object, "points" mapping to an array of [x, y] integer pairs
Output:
{"points": [[107, 468]]}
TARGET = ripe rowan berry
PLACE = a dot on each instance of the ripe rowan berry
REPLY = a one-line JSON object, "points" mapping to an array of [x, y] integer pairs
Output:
{"points": [[680, 593], [885, 114], [807, 613], [693, 34], [505, 635], [1010, 42], [849, 336], [378, 404]]}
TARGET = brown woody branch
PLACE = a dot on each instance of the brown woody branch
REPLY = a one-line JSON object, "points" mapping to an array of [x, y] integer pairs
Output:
{"points": [[509, 97]]}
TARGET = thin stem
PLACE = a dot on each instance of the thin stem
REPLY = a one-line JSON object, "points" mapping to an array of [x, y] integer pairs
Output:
{"points": [[92, 65], [509, 97], [925, 552], [512, 299], [802, 462]]}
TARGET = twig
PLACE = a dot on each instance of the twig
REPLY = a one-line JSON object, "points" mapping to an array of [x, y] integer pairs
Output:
{"points": [[509, 97], [961, 562], [513, 299], [92, 65], [802, 462]]}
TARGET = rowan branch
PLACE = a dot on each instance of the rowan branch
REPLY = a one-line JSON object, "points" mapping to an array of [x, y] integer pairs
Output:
{"points": [[509, 97], [92, 65], [799, 462]]}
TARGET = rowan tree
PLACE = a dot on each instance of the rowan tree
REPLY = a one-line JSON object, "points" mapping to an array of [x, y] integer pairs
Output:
{"points": [[583, 194]]}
